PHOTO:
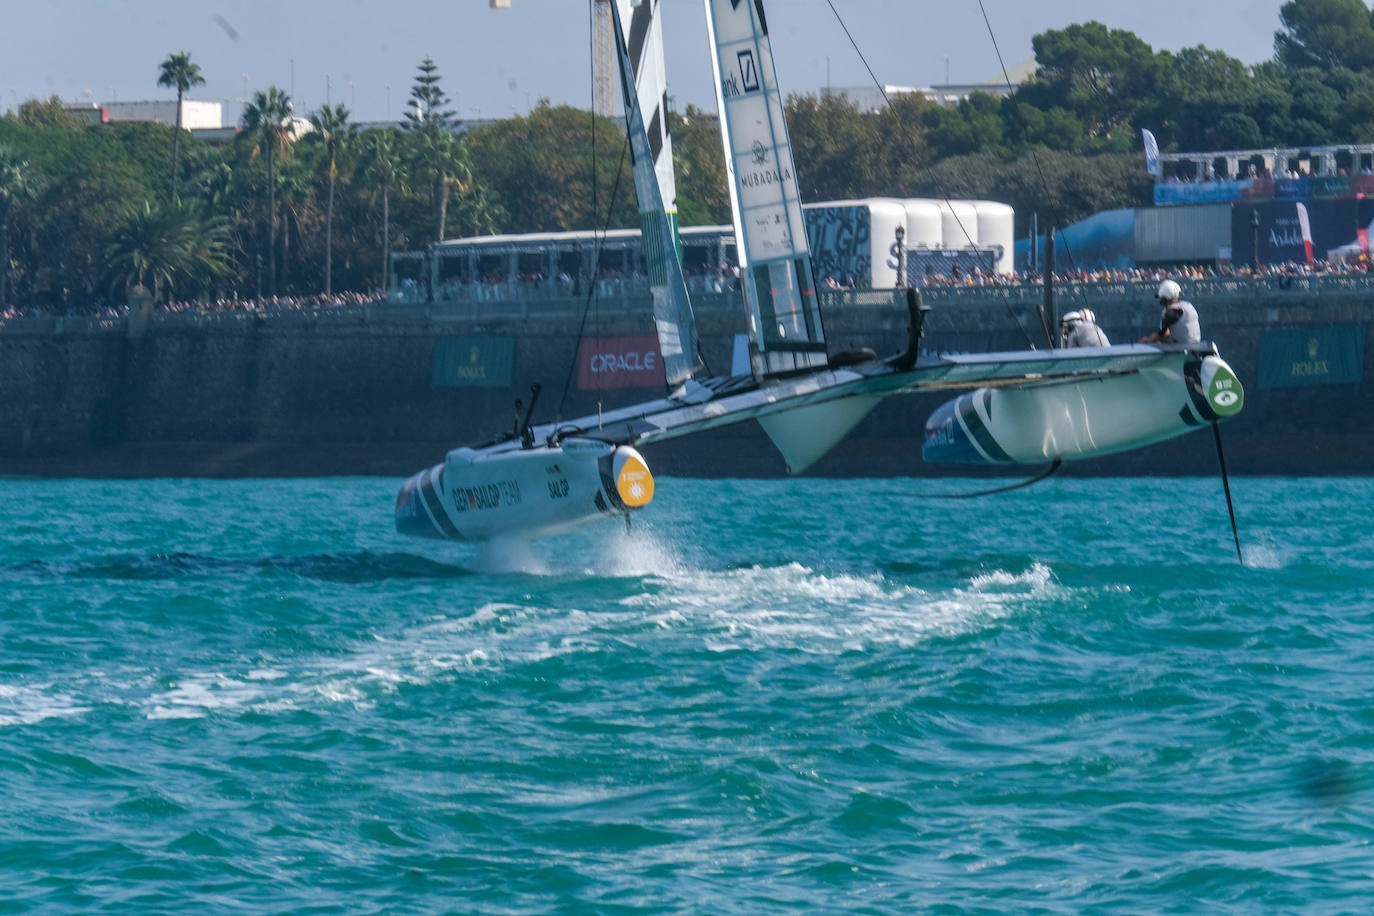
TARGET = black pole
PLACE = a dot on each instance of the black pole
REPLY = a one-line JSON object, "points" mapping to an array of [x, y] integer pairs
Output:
{"points": [[1046, 308], [1226, 485]]}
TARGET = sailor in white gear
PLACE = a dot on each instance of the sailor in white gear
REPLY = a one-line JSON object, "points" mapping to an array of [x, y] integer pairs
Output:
{"points": [[1079, 329], [1179, 322]]}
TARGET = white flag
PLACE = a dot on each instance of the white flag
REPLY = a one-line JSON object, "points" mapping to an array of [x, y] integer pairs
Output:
{"points": [[1151, 154]]}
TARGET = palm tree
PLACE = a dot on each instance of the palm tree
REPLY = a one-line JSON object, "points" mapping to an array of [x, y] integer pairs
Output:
{"points": [[444, 160], [386, 170], [178, 70], [334, 131], [15, 185], [160, 246], [267, 121]]}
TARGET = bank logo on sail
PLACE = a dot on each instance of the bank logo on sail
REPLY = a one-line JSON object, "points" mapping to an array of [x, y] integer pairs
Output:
{"points": [[745, 81]]}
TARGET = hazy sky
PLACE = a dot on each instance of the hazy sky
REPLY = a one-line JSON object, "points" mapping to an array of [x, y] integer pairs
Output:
{"points": [[494, 61]]}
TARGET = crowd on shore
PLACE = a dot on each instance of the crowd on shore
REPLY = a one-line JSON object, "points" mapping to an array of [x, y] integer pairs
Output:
{"points": [[215, 306], [955, 279], [977, 277]]}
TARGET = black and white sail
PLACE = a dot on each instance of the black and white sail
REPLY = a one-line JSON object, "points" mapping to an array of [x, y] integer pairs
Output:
{"points": [[775, 262], [673, 319]]}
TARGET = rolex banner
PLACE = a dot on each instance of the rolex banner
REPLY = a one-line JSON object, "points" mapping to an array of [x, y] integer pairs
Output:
{"points": [[472, 362], [1296, 357]]}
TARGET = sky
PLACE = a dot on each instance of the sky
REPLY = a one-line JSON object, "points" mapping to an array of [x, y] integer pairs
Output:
{"points": [[495, 62]]}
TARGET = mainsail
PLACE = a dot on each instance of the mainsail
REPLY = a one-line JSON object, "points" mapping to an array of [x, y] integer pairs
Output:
{"points": [[644, 41], [775, 263], [677, 332]]}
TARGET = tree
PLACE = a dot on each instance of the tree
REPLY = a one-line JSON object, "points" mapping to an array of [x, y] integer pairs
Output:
{"points": [[833, 145], [178, 70], [384, 167], [540, 169], [702, 197], [334, 130], [16, 185], [1325, 33], [267, 123], [160, 246], [1100, 74], [438, 153], [428, 100]]}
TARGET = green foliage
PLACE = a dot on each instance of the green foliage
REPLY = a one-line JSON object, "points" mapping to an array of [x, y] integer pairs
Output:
{"points": [[167, 249], [178, 72], [1325, 33], [699, 167], [87, 209], [540, 168], [428, 111]]}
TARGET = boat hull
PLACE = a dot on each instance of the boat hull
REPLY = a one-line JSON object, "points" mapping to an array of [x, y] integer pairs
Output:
{"points": [[522, 492], [1082, 418]]}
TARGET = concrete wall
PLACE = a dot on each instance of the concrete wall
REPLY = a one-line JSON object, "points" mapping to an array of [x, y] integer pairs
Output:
{"points": [[349, 391]]}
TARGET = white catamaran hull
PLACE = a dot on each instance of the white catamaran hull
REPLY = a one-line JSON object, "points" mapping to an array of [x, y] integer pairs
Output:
{"points": [[1081, 418], [523, 492]]}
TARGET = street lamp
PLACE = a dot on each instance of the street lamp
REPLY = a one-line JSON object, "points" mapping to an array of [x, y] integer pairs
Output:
{"points": [[901, 257]]}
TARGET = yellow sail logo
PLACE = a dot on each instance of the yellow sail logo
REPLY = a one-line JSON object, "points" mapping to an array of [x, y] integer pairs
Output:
{"points": [[634, 483]]}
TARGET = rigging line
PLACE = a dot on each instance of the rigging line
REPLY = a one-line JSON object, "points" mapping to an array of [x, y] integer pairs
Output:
{"points": [[901, 125], [1054, 466], [591, 283], [1039, 169], [596, 258]]}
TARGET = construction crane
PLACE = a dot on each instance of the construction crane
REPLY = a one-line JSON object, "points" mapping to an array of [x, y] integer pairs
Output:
{"points": [[603, 55]]}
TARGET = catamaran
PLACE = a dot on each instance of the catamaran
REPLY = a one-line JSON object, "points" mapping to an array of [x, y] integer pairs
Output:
{"points": [[1016, 407]]}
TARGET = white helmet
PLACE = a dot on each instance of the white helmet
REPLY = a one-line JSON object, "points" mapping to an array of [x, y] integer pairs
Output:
{"points": [[1169, 291], [1072, 318]]}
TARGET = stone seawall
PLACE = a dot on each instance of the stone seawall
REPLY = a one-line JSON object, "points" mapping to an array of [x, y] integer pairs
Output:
{"points": [[388, 389]]}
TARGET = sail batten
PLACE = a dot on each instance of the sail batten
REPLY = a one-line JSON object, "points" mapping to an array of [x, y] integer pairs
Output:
{"points": [[786, 332], [653, 175]]}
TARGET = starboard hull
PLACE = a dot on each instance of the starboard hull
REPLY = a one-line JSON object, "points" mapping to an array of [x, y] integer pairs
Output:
{"points": [[1082, 418]]}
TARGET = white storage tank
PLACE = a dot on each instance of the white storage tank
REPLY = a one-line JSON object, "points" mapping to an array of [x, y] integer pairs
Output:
{"points": [[924, 227], [997, 229], [958, 224]]}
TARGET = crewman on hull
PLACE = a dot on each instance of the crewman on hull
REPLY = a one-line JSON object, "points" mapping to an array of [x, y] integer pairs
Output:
{"points": [[1079, 329], [1178, 323]]}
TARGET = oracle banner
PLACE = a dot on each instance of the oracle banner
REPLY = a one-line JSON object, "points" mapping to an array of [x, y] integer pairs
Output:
{"points": [[619, 362]]}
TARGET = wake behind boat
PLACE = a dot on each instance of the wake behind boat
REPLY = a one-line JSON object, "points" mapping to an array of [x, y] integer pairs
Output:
{"points": [[1025, 406]]}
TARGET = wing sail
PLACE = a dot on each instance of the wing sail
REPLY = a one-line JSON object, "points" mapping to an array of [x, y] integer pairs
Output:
{"points": [[775, 262], [673, 318]]}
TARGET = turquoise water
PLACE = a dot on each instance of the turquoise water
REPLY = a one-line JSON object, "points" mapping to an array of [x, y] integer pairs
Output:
{"points": [[834, 696]]}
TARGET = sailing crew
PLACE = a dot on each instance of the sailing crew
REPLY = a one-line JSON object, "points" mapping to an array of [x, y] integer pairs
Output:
{"points": [[1079, 329], [1178, 323]]}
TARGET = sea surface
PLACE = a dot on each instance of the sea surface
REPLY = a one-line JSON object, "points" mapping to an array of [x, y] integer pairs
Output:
{"points": [[227, 697]]}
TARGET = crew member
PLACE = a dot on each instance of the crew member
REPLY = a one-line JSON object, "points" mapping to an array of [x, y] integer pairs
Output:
{"points": [[1079, 329], [1179, 322]]}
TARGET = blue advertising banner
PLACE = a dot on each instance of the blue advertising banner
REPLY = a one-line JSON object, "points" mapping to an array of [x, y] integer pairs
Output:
{"points": [[1306, 187], [472, 362], [1299, 357]]}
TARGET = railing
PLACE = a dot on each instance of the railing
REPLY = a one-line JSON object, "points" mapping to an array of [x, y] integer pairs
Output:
{"points": [[707, 297]]}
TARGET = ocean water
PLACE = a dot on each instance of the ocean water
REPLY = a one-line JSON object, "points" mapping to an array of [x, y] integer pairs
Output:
{"points": [[767, 697]]}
